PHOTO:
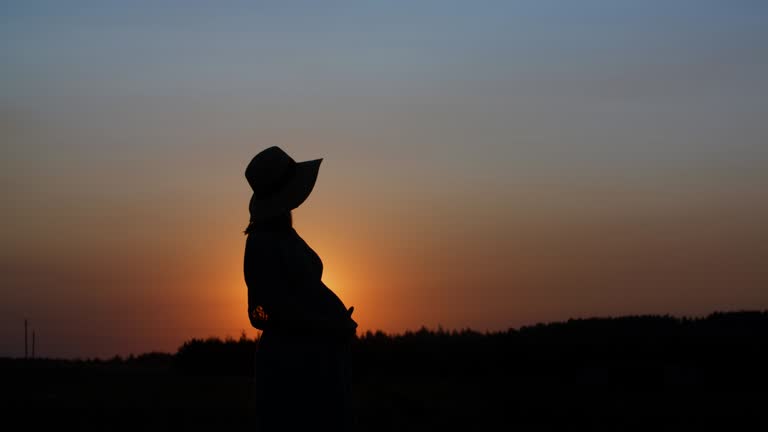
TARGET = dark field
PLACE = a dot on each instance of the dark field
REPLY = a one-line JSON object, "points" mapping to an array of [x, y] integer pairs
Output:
{"points": [[631, 373]]}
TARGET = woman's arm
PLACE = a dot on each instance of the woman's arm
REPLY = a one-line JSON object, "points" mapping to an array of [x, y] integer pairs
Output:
{"points": [[260, 265]]}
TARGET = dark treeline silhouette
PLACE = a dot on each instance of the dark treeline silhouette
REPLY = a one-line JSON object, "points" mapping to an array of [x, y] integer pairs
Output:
{"points": [[213, 356], [724, 351], [632, 372], [639, 352]]}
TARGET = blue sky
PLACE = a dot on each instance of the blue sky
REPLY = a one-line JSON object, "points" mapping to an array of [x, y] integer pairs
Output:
{"points": [[600, 153]]}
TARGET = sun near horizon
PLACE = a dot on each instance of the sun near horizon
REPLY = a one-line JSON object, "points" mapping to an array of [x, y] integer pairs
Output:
{"points": [[485, 166]]}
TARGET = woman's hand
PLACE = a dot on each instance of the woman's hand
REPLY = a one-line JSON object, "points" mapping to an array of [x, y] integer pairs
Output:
{"points": [[257, 317]]}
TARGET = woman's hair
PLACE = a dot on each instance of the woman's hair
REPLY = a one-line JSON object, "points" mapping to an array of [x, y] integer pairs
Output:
{"points": [[280, 222]]}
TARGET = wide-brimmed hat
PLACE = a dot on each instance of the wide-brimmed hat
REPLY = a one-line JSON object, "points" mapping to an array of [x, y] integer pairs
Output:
{"points": [[279, 183]]}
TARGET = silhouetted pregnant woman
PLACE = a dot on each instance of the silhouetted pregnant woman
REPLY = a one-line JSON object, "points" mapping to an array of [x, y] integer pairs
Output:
{"points": [[301, 362]]}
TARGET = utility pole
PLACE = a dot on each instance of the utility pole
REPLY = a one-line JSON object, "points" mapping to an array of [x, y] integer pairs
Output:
{"points": [[33, 343], [25, 339]]}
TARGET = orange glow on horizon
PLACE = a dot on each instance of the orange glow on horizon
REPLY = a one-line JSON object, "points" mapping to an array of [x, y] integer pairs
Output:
{"points": [[348, 275]]}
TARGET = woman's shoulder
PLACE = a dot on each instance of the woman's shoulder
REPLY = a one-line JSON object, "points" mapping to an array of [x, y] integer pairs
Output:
{"points": [[285, 243], [271, 235], [265, 241]]}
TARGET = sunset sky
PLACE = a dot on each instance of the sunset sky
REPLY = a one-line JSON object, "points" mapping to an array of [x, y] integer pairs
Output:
{"points": [[487, 164]]}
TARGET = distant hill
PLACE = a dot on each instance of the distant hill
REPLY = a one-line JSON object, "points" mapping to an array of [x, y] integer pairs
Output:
{"points": [[623, 373], [719, 340]]}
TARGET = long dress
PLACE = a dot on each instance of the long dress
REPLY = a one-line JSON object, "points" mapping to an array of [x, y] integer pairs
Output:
{"points": [[301, 377]]}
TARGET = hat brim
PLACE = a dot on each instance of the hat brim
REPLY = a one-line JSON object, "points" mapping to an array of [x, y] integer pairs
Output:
{"points": [[292, 195]]}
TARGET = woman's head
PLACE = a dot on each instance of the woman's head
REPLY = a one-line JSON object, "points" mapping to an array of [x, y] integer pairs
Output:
{"points": [[279, 183]]}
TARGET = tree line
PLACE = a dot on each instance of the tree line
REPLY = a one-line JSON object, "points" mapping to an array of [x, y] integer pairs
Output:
{"points": [[724, 350]]}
